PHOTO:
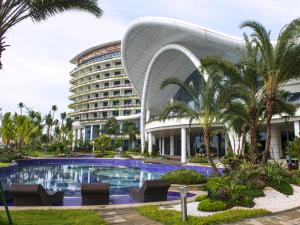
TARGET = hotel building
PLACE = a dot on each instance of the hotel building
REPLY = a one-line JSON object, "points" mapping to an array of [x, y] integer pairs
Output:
{"points": [[99, 90], [154, 49]]}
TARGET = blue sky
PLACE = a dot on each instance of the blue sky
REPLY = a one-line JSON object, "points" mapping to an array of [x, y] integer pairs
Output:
{"points": [[36, 66]]}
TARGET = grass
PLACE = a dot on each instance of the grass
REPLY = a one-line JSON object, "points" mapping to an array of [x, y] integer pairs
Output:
{"points": [[53, 217], [2, 164], [172, 217]]}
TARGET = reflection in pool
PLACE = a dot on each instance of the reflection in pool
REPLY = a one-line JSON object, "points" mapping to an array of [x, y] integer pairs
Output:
{"points": [[68, 177]]}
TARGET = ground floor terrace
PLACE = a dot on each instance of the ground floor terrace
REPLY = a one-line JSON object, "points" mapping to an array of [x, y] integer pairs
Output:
{"points": [[176, 137]]}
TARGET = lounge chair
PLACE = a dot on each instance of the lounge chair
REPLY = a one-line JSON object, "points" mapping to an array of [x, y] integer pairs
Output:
{"points": [[151, 191], [95, 194], [34, 195]]}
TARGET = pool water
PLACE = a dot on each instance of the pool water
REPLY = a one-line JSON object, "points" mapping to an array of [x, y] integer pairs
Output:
{"points": [[68, 177]]}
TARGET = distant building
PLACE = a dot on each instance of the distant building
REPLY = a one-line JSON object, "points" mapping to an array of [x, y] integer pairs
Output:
{"points": [[100, 90]]}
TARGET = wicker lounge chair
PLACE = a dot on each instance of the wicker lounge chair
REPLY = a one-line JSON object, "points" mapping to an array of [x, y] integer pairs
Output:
{"points": [[34, 195], [151, 191], [95, 194]]}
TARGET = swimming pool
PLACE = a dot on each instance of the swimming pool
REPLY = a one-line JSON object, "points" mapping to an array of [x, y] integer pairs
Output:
{"points": [[67, 174]]}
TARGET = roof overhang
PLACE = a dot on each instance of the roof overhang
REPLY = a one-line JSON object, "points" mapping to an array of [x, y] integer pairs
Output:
{"points": [[148, 35]]}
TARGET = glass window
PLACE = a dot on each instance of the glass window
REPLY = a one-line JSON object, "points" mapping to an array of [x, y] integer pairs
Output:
{"points": [[137, 111], [118, 63], [116, 103], [126, 112], [127, 82], [105, 94], [97, 86], [105, 103], [96, 95], [127, 102], [115, 113], [117, 82], [107, 65], [95, 114], [116, 93], [106, 84], [128, 92], [96, 105], [117, 72], [98, 76], [104, 114], [137, 101], [106, 74]]}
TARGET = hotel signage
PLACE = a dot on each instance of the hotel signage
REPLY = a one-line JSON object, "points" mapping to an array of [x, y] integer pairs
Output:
{"points": [[99, 52]]}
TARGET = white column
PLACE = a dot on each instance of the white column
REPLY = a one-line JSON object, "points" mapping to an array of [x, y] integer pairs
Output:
{"points": [[275, 145], [83, 134], [188, 147], [150, 143], [183, 145], [297, 128], [91, 133], [163, 146], [171, 145], [159, 146], [147, 115]]}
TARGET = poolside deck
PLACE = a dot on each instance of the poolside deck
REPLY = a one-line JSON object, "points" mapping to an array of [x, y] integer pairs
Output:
{"points": [[171, 161]]}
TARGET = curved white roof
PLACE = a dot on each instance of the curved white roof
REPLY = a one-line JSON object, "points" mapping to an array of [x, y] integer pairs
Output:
{"points": [[146, 36]]}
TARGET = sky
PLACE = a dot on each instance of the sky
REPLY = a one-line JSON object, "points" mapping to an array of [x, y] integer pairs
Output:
{"points": [[36, 65]]}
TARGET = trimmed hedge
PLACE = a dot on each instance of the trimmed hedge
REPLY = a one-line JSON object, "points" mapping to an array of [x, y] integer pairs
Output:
{"points": [[184, 176], [198, 160], [209, 205], [172, 217]]}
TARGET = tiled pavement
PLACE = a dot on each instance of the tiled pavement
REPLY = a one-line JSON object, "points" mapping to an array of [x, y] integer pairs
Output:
{"points": [[285, 218], [126, 217], [132, 217]]}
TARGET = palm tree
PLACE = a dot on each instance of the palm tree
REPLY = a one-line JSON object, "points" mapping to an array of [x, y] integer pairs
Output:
{"points": [[63, 116], [278, 63], [131, 130], [208, 100], [111, 126], [7, 128], [13, 12], [48, 122], [21, 105]]}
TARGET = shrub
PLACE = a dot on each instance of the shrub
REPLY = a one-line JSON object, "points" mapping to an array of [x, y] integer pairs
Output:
{"points": [[211, 205], [102, 143], [7, 156], [283, 187], [200, 198], [184, 176], [293, 148], [198, 160]]}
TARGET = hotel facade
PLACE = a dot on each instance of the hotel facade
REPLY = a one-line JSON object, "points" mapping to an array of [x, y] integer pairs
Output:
{"points": [[100, 90], [154, 49]]}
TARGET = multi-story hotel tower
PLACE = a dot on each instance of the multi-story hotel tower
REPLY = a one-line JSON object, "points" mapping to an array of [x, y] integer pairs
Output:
{"points": [[100, 90]]}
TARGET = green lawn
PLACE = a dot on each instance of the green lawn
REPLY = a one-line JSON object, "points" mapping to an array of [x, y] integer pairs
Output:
{"points": [[172, 217], [54, 217], [4, 164]]}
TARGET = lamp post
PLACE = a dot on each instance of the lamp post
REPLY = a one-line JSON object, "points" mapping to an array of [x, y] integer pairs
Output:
{"points": [[286, 118], [183, 193]]}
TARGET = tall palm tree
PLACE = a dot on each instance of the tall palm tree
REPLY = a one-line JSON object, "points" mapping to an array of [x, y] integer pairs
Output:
{"points": [[48, 122], [111, 126], [131, 130], [21, 105], [208, 100], [13, 12], [278, 63], [7, 128]]}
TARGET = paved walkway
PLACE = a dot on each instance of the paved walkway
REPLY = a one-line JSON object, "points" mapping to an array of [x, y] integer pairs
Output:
{"points": [[126, 217], [284, 218]]}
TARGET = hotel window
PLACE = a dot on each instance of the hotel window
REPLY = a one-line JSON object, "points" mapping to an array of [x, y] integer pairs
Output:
{"points": [[116, 93], [115, 113], [97, 85], [90, 78], [126, 112], [105, 104], [96, 105], [128, 92], [96, 95], [116, 103], [88, 96], [87, 106], [105, 94], [87, 116], [118, 63], [106, 74], [98, 76], [117, 82], [117, 72], [127, 82], [137, 101], [107, 65], [106, 84], [95, 115], [127, 102], [98, 67], [104, 114], [137, 111], [89, 87]]}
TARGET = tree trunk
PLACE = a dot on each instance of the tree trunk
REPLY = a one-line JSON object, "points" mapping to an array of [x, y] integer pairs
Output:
{"points": [[269, 110], [253, 135], [2, 47], [244, 133], [206, 143]]}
